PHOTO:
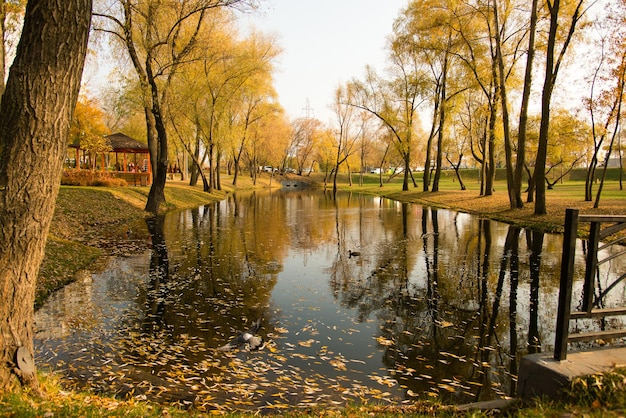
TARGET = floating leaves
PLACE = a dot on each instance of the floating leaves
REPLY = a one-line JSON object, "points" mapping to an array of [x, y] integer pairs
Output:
{"points": [[146, 338], [384, 341]]}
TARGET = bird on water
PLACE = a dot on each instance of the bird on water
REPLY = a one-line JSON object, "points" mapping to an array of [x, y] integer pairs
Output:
{"points": [[249, 338]]}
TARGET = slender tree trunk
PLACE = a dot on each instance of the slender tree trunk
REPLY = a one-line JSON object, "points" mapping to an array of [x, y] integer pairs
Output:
{"points": [[211, 152], [237, 159], [442, 121], [35, 116], [151, 135], [523, 118], [546, 98], [429, 143], [552, 70], [218, 164], [490, 151], [508, 148], [616, 130]]}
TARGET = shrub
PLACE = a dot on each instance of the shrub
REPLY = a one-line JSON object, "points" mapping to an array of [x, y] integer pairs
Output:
{"points": [[91, 178]]}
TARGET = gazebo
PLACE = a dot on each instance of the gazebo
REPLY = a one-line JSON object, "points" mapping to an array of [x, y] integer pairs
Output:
{"points": [[131, 162]]}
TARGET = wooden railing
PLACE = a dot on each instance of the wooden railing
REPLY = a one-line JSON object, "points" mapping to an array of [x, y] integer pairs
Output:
{"points": [[601, 228]]}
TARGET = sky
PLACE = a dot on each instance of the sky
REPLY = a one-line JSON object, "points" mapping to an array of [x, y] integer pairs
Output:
{"points": [[325, 43]]}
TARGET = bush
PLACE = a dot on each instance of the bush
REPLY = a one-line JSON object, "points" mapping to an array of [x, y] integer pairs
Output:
{"points": [[91, 178]]}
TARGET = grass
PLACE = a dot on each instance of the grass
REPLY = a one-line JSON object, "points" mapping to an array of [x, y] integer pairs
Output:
{"points": [[592, 396], [496, 206], [76, 241]]}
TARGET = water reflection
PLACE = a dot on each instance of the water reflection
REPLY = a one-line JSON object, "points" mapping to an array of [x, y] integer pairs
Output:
{"points": [[437, 304]]}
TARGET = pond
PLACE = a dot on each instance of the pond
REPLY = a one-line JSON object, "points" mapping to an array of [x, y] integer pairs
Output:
{"points": [[435, 305]]}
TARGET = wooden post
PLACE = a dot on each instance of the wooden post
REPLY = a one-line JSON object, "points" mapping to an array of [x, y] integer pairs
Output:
{"points": [[567, 279]]}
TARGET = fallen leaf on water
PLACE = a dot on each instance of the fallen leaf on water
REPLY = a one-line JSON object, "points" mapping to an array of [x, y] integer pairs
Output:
{"points": [[384, 341], [306, 343]]}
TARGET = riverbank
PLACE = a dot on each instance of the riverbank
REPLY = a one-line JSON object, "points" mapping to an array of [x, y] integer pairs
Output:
{"points": [[496, 207], [89, 220], [96, 219]]}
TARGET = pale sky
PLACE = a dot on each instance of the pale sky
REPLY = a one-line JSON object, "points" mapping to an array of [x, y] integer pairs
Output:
{"points": [[325, 43]]}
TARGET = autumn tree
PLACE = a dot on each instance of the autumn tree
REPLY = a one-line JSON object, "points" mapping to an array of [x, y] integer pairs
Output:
{"points": [[480, 57], [606, 91], [35, 117], [344, 136], [204, 90], [365, 143], [424, 36], [268, 140], [567, 144], [160, 37], [504, 32], [88, 128], [394, 103], [254, 97], [472, 123], [305, 134], [564, 17]]}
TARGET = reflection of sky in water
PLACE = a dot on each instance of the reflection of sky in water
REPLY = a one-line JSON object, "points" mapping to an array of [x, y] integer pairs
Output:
{"points": [[303, 297], [405, 316]]}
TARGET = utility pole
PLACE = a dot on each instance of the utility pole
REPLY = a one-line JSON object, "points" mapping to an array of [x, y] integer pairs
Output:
{"points": [[308, 110]]}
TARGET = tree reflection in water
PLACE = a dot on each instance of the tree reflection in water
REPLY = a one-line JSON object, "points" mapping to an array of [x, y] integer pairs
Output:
{"points": [[159, 273], [438, 304]]}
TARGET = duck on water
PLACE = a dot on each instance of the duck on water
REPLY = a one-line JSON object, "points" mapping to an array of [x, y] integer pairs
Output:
{"points": [[249, 338]]}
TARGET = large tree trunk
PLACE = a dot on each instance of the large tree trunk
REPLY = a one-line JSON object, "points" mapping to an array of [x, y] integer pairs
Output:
{"points": [[35, 116], [156, 196]]}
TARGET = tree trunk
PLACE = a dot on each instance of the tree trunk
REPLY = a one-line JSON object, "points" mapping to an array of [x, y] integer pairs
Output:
{"points": [[523, 117], [490, 151], [35, 115], [546, 97], [442, 121], [429, 142], [3, 51], [156, 196], [508, 148], [553, 62]]}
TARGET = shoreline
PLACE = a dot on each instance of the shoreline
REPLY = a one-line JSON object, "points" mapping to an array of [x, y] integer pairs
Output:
{"points": [[89, 220]]}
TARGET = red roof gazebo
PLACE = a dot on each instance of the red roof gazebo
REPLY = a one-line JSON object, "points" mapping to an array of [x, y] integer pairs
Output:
{"points": [[134, 163]]}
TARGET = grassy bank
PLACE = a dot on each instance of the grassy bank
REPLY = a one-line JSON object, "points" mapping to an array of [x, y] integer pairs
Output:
{"points": [[88, 221], [593, 396], [496, 207]]}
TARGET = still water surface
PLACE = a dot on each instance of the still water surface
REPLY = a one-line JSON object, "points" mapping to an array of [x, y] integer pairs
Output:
{"points": [[437, 305]]}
